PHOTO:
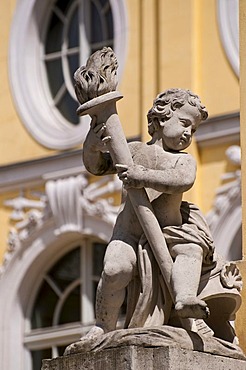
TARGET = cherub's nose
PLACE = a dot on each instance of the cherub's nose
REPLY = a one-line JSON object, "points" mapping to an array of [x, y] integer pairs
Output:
{"points": [[187, 131]]}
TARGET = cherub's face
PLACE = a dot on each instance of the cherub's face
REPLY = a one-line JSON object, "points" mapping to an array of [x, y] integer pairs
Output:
{"points": [[177, 132]]}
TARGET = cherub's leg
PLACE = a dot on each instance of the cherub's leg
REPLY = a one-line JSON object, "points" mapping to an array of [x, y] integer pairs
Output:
{"points": [[185, 280], [119, 267]]}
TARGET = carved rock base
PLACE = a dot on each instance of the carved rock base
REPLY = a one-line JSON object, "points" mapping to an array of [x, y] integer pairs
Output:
{"points": [[139, 358]]}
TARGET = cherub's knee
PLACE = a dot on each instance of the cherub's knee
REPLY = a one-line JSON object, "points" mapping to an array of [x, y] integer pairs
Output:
{"points": [[189, 250], [117, 274]]}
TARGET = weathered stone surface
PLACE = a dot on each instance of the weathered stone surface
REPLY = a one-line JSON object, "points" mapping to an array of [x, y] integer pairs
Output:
{"points": [[163, 336], [140, 358], [161, 250]]}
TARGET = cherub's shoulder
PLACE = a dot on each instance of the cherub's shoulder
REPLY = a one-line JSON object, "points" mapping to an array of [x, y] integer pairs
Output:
{"points": [[166, 159], [184, 160], [136, 146], [142, 153], [185, 157]]}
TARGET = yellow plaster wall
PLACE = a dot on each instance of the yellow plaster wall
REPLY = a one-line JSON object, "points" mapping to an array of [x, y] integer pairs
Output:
{"points": [[241, 317], [15, 142], [5, 226], [175, 43], [214, 164], [179, 45], [139, 83], [172, 43], [128, 107], [218, 85], [240, 323]]}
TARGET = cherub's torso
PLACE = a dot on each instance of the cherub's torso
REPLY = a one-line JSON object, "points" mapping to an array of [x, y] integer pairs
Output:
{"points": [[166, 205]]}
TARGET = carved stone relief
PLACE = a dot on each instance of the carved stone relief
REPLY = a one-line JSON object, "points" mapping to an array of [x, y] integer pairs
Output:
{"points": [[66, 201], [226, 211]]}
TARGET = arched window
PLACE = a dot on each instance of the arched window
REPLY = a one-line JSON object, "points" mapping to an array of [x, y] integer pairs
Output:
{"points": [[63, 308], [75, 30], [228, 22], [58, 36]]}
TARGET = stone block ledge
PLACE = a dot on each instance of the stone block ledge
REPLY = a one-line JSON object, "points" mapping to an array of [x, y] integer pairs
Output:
{"points": [[142, 358]]}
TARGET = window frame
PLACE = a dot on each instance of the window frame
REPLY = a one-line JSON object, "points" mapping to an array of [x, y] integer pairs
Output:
{"points": [[20, 281], [60, 335], [27, 74], [228, 22]]}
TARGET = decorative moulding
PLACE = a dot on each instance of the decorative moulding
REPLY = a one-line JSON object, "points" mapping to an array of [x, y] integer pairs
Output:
{"points": [[219, 129], [228, 20], [68, 202], [28, 78], [226, 213]]}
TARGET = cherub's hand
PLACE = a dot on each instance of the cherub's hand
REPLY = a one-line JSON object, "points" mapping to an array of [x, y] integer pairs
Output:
{"points": [[96, 136], [131, 176]]}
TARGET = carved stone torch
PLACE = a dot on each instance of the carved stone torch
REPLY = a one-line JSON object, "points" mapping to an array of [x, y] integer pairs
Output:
{"points": [[95, 88]]}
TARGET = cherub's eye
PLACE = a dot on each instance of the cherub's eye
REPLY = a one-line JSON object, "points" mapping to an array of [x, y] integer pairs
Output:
{"points": [[184, 122]]}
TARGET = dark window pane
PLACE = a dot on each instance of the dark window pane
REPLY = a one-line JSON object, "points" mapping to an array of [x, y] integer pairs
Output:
{"points": [[95, 284], [73, 30], [71, 308], [55, 75], [123, 307], [96, 25], [68, 107], [110, 26], [63, 5], [67, 269], [99, 15], [54, 35], [38, 356], [61, 350], [98, 255], [44, 307], [103, 2], [73, 61]]}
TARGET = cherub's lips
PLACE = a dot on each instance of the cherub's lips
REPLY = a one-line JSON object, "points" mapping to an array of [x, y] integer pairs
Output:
{"points": [[184, 140]]}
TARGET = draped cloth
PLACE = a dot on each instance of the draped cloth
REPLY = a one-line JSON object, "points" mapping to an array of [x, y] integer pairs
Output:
{"points": [[149, 302]]}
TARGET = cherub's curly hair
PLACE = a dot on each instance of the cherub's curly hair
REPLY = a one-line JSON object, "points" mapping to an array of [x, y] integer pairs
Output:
{"points": [[167, 102]]}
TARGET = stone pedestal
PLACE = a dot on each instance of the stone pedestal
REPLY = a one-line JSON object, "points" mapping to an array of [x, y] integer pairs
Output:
{"points": [[142, 358]]}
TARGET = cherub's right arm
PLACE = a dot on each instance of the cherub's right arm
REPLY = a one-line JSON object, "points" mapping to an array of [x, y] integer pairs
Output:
{"points": [[96, 158]]}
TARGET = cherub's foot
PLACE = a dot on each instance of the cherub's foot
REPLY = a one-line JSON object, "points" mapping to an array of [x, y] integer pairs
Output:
{"points": [[85, 343], [192, 308]]}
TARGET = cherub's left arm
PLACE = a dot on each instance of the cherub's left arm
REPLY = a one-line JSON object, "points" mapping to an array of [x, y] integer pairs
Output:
{"points": [[176, 177]]}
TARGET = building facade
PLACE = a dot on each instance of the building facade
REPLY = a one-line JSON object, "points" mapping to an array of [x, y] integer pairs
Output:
{"points": [[56, 219]]}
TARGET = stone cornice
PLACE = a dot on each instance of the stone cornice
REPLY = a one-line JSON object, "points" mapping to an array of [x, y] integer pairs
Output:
{"points": [[36, 172], [219, 129]]}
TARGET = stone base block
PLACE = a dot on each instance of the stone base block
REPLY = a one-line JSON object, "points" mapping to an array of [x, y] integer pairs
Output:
{"points": [[142, 358]]}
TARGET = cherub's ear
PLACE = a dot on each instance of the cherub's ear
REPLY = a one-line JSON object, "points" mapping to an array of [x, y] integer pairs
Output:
{"points": [[154, 139], [156, 123], [161, 122]]}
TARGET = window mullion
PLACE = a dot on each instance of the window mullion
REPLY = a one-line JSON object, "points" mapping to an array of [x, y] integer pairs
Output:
{"points": [[55, 352], [84, 30], [61, 92], [53, 285], [65, 48], [86, 296]]}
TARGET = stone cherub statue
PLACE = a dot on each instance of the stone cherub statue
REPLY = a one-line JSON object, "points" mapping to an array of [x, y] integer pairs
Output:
{"points": [[161, 252]]}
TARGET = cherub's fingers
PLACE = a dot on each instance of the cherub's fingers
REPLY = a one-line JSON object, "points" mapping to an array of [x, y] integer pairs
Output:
{"points": [[100, 131], [123, 177], [93, 122], [99, 127], [121, 167], [106, 139]]}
